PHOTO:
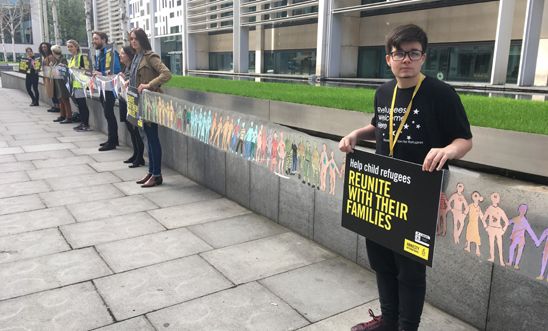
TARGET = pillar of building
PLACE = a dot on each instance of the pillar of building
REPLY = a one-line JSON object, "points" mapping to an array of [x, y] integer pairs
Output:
{"points": [[189, 44], [328, 46], [530, 43], [259, 49], [502, 42], [240, 42]]}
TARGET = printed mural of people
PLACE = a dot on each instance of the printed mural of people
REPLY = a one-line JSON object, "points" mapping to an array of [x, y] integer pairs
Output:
{"points": [[259, 147], [315, 167], [235, 135], [324, 163], [288, 165], [240, 140], [274, 152], [517, 238], [300, 157], [459, 208], [333, 171], [217, 134], [295, 159], [281, 154], [544, 261], [441, 227], [213, 130], [227, 130], [472, 229], [248, 139], [495, 229], [254, 142], [207, 128]]}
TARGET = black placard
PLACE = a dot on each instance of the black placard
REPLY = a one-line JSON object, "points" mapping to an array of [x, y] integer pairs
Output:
{"points": [[133, 114], [393, 203]]}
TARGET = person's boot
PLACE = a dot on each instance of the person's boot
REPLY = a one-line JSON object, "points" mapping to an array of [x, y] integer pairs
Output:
{"points": [[377, 323]]}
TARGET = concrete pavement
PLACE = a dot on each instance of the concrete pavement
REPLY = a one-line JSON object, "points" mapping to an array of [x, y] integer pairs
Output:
{"points": [[83, 247]]}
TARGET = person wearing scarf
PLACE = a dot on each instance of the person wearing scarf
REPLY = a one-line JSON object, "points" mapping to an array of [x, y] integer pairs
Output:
{"points": [[60, 89], [148, 73]]}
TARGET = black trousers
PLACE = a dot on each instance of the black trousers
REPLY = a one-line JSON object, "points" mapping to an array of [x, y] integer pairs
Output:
{"points": [[83, 110], [108, 108], [136, 140], [402, 285], [31, 81]]}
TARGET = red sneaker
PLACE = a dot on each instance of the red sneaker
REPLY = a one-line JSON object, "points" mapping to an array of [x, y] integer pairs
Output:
{"points": [[376, 324]]}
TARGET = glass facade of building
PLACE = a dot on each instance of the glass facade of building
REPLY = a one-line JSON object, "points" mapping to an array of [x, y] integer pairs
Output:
{"points": [[292, 62], [471, 62], [172, 53]]}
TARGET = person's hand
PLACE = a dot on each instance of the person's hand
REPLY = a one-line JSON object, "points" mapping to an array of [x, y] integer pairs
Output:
{"points": [[436, 158], [348, 143], [143, 87], [97, 73]]}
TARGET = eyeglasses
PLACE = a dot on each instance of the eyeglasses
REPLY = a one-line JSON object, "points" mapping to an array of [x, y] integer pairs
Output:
{"points": [[414, 55]]}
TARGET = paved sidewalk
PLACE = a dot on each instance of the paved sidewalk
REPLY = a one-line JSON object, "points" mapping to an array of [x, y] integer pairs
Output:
{"points": [[83, 247]]}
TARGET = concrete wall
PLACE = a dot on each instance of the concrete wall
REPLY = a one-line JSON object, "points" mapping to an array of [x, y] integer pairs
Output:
{"points": [[291, 37], [484, 294]]}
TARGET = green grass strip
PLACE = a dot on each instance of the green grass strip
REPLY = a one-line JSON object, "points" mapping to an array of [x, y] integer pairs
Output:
{"points": [[497, 112]]}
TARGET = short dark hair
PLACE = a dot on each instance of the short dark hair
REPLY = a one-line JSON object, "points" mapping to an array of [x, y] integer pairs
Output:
{"points": [[48, 52], [28, 48], [404, 34], [101, 35], [142, 38]]}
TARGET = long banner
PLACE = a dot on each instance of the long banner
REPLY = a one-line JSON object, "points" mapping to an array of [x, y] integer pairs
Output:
{"points": [[393, 203]]}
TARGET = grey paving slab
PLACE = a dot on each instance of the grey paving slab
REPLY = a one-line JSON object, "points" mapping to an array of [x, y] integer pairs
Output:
{"points": [[76, 307], [170, 182], [108, 166], [33, 141], [150, 249], [134, 324], [332, 286], [116, 155], [236, 230], [13, 177], [51, 271], [47, 147], [180, 196], [72, 182], [23, 188], [66, 161], [93, 143], [510, 290], [4, 143], [432, 319], [110, 229], [80, 195], [20, 204], [143, 290], [44, 173], [265, 257], [246, 307], [132, 174], [31, 244], [11, 150], [327, 226], [88, 150], [198, 212], [7, 158], [34, 220], [16, 166], [84, 137], [63, 153], [264, 191], [109, 208]]}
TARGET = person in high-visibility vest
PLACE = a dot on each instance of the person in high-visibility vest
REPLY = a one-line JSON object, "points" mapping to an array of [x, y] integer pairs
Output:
{"points": [[79, 61], [31, 78]]}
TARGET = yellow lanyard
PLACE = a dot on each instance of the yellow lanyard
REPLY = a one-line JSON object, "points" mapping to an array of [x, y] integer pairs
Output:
{"points": [[393, 139]]}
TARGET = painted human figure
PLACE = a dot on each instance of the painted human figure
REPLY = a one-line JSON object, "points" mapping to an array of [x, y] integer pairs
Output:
{"points": [[333, 171], [300, 157], [315, 167], [495, 229], [324, 162], [441, 228], [240, 142], [472, 229], [517, 238], [543, 237], [227, 129], [274, 152], [215, 140], [235, 135], [248, 140], [294, 158], [288, 156], [268, 150], [213, 129], [459, 208], [254, 138], [259, 144], [281, 153]]}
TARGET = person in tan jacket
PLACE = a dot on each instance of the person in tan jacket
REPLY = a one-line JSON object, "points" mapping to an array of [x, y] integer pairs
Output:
{"points": [[148, 73]]}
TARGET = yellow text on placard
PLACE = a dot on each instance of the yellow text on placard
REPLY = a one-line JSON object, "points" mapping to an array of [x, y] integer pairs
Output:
{"points": [[416, 249]]}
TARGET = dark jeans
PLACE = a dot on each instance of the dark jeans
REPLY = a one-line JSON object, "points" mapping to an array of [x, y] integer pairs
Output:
{"points": [[55, 102], [31, 81], [83, 109], [136, 141], [108, 108], [402, 285], [154, 149]]}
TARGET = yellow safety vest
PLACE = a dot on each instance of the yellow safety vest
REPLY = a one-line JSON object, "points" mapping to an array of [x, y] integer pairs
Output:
{"points": [[76, 64]]}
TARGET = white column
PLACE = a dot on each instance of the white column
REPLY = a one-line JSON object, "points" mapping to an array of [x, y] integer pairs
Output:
{"points": [[240, 42], [502, 42], [189, 44], [328, 46], [531, 39]]}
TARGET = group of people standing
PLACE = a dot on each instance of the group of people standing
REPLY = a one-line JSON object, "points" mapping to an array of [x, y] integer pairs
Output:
{"points": [[140, 68]]}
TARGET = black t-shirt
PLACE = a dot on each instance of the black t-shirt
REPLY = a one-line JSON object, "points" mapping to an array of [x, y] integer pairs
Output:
{"points": [[437, 118]]}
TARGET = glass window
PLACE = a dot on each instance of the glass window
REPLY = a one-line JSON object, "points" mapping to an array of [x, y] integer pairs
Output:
{"points": [[295, 62], [372, 63], [221, 61], [251, 65], [513, 62]]}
